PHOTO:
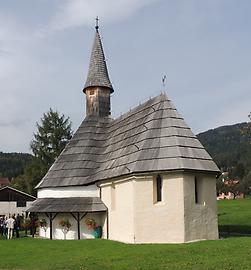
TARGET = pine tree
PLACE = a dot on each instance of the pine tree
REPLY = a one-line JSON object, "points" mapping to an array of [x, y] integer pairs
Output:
{"points": [[52, 135]]}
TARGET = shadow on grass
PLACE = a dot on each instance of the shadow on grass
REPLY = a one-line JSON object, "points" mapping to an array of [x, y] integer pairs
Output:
{"points": [[234, 230]]}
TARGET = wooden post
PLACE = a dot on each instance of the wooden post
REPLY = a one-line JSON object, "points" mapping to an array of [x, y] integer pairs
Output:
{"points": [[50, 217], [107, 225], [78, 219]]}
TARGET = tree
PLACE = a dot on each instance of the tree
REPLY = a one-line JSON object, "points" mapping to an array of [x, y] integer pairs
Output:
{"points": [[20, 183], [33, 173], [220, 186], [247, 129], [13, 164], [249, 126], [52, 135], [245, 184]]}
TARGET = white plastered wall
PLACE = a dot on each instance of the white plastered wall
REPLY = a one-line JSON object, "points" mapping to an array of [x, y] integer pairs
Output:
{"points": [[159, 222], [7, 208], [201, 220], [57, 232], [118, 197], [134, 216], [66, 192]]}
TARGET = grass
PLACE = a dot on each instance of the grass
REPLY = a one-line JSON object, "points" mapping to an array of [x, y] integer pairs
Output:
{"points": [[27, 253], [228, 253], [235, 216]]}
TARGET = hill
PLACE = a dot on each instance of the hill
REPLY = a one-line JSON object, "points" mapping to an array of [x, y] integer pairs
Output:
{"points": [[13, 164], [230, 147]]}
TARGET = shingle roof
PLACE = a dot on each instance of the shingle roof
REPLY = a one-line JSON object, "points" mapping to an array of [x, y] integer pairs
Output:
{"points": [[98, 73], [153, 137], [69, 205]]}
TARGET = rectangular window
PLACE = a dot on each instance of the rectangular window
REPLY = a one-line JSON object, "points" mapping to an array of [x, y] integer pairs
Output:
{"points": [[159, 188], [21, 204], [196, 189]]}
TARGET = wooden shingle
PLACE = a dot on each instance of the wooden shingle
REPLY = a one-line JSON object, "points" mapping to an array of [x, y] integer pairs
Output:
{"points": [[152, 137]]}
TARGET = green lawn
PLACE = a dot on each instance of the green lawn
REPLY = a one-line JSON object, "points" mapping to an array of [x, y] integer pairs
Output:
{"points": [[228, 253], [27, 253], [235, 216]]}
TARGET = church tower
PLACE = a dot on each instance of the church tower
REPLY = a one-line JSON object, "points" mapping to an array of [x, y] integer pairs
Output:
{"points": [[98, 87]]}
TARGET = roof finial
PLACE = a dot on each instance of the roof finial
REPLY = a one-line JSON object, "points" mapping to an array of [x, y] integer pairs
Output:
{"points": [[97, 27], [164, 82]]}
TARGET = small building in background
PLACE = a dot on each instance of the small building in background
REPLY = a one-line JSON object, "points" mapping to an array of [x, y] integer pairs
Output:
{"points": [[13, 201]]}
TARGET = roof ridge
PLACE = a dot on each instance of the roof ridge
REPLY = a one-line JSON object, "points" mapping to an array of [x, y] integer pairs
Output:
{"points": [[142, 105], [19, 191]]}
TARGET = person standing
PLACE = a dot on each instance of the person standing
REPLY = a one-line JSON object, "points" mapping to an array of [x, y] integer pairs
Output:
{"points": [[1, 225], [14, 230], [17, 225], [10, 226], [4, 227]]}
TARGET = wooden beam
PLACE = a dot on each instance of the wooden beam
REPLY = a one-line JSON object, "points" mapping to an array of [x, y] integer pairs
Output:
{"points": [[54, 216], [51, 218], [74, 216], [78, 218], [83, 215]]}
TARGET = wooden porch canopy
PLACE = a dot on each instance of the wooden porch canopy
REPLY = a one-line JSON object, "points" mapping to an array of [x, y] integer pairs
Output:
{"points": [[78, 207]]}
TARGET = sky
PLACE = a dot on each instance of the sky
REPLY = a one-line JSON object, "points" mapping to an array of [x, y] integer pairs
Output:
{"points": [[203, 47]]}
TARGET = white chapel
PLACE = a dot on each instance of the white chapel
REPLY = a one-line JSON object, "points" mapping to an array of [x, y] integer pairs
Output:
{"points": [[143, 177]]}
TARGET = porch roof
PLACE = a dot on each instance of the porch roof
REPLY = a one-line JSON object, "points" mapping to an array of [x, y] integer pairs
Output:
{"points": [[67, 205]]}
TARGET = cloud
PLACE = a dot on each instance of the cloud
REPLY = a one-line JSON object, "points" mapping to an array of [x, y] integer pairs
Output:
{"points": [[18, 122], [73, 13], [18, 65], [198, 44]]}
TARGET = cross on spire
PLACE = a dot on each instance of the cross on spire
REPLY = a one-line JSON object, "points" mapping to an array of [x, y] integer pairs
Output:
{"points": [[164, 82], [97, 26]]}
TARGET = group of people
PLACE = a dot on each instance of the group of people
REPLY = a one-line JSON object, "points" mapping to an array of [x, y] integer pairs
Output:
{"points": [[10, 225]]}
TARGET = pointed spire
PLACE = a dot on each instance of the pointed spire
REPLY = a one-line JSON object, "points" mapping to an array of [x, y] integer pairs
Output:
{"points": [[97, 27], [98, 73]]}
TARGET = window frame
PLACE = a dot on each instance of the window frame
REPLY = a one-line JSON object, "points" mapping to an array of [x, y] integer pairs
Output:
{"points": [[20, 204], [159, 188], [196, 195]]}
